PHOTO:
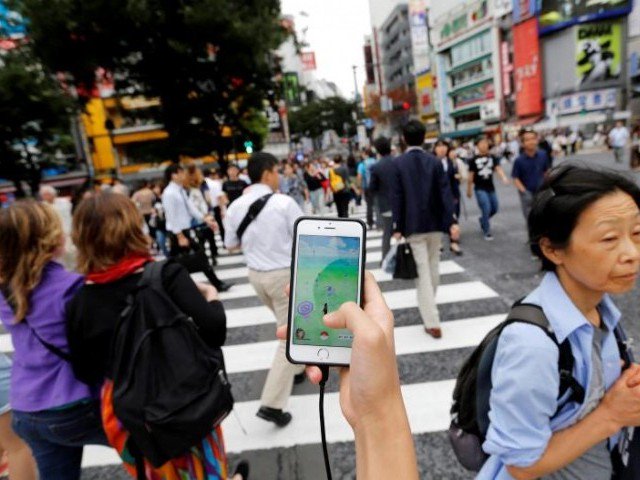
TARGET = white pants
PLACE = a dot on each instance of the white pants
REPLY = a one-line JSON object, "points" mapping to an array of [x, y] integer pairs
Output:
{"points": [[270, 288], [426, 253]]}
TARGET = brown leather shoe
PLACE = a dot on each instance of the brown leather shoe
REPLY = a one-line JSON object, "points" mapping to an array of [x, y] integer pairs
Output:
{"points": [[434, 332]]}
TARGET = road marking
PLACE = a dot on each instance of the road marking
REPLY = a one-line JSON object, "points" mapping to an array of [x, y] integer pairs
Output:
{"points": [[451, 293], [242, 290], [409, 340]]}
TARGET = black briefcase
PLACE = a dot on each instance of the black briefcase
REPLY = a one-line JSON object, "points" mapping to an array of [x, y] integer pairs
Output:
{"points": [[405, 264]]}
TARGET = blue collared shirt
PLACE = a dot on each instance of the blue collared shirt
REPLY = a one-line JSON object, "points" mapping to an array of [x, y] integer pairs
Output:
{"points": [[524, 397]]}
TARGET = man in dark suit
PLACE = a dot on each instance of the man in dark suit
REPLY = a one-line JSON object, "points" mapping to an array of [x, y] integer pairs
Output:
{"points": [[422, 210], [380, 184]]}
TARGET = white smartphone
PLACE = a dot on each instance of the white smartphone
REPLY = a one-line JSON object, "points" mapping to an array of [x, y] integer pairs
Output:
{"points": [[327, 270]]}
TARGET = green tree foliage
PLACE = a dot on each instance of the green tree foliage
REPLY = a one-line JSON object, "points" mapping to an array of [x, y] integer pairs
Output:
{"points": [[35, 117], [208, 61], [329, 114]]}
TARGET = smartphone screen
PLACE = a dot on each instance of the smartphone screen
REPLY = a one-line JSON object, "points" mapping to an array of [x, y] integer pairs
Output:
{"points": [[328, 275]]}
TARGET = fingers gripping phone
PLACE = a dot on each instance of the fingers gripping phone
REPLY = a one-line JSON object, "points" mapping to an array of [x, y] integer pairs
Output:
{"points": [[327, 270]]}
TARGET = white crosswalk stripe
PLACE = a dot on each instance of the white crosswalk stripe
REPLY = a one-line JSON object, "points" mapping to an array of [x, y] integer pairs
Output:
{"points": [[427, 402]]}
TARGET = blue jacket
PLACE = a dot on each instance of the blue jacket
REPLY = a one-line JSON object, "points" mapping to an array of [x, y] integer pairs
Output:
{"points": [[381, 181], [421, 198]]}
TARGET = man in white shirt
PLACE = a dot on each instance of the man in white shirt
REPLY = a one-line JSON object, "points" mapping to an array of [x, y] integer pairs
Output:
{"points": [[618, 138], [180, 215], [216, 196], [266, 244]]}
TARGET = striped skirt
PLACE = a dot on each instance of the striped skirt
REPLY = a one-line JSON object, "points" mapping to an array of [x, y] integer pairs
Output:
{"points": [[205, 461]]}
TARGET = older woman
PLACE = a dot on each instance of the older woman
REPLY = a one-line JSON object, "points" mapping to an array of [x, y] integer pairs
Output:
{"points": [[585, 228]]}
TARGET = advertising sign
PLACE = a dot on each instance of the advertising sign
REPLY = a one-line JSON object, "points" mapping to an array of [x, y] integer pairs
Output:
{"points": [[291, 88], [502, 7], [527, 69], [523, 10], [557, 14], [507, 68], [490, 111], [419, 36], [459, 21], [425, 91], [583, 102], [308, 61], [598, 53]]}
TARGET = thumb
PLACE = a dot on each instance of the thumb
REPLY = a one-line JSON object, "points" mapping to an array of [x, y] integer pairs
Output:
{"points": [[349, 316]]}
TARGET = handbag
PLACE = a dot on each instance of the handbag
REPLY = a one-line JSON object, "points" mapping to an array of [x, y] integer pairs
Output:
{"points": [[405, 263]]}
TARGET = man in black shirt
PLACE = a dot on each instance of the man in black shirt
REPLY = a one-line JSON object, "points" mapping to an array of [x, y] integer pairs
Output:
{"points": [[233, 187], [481, 168]]}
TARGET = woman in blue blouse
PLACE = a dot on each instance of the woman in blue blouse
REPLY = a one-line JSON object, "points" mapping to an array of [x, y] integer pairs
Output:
{"points": [[585, 228]]}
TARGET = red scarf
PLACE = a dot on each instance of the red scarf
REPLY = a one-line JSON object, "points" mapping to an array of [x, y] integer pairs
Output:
{"points": [[123, 268]]}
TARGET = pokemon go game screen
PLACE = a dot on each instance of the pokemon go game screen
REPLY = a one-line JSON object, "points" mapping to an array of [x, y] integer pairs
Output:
{"points": [[327, 277]]}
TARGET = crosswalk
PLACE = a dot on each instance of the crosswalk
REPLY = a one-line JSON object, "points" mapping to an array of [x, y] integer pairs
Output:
{"points": [[470, 309]]}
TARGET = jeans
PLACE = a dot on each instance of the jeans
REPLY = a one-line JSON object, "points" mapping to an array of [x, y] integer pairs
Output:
{"points": [[488, 203], [161, 240], [57, 437], [316, 197], [618, 153], [526, 202]]}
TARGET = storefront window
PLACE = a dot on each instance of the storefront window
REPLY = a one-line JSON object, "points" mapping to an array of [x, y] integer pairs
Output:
{"points": [[474, 72], [473, 95]]}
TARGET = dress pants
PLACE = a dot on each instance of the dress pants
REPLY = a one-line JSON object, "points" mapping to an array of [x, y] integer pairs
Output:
{"points": [[426, 253], [270, 289]]}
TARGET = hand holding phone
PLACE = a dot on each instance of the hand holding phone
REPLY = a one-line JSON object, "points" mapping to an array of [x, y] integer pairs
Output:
{"points": [[327, 271]]}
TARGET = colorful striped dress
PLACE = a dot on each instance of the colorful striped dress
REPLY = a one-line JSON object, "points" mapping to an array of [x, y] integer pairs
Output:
{"points": [[206, 461]]}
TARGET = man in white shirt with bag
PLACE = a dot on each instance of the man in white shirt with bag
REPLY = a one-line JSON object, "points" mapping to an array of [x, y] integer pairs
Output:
{"points": [[261, 223]]}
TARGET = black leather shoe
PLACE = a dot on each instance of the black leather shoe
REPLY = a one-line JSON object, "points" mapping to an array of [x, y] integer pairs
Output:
{"points": [[300, 378], [242, 469], [224, 287], [274, 415]]}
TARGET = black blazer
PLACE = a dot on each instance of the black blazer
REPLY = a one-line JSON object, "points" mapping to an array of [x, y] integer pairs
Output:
{"points": [[381, 181], [421, 199]]}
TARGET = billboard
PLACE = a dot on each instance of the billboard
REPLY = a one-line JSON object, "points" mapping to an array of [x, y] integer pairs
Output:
{"points": [[308, 61], [420, 48], [582, 102], [523, 10], [425, 89], [527, 68], [291, 86], [598, 53], [557, 14]]}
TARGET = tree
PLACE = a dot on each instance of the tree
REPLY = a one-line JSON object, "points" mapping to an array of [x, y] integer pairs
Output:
{"points": [[332, 113], [35, 117], [208, 61]]}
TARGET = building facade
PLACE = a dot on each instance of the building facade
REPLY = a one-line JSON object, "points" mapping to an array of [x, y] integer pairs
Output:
{"points": [[467, 44]]}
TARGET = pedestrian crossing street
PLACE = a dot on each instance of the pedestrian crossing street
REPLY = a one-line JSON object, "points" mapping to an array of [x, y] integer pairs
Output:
{"points": [[469, 310]]}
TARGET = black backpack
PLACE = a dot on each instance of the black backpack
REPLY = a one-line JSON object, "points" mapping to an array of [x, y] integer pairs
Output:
{"points": [[470, 410], [170, 388]]}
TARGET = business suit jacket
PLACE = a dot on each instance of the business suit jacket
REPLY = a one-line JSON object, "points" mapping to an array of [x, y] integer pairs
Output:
{"points": [[421, 198], [381, 182]]}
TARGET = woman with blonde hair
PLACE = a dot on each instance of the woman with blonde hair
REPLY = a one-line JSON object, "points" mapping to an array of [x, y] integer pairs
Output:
{"points": [[55, 414], [112, 252]]}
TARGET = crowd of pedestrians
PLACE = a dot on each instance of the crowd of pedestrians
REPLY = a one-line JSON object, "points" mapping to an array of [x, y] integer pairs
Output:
{"points": [[63, 388]]}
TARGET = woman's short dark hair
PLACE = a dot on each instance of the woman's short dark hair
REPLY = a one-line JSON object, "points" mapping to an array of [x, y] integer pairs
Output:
{"points": [[444, 142], [259, 163], [566, 193]]}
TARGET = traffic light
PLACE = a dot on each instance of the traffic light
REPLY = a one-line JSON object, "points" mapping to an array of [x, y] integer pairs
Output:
{"points": [[406, 106], [248, 147]]}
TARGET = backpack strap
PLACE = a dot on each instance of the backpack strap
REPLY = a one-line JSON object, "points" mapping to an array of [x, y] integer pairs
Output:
{"points": [[152, 274], [533, 315], [254, 210]]}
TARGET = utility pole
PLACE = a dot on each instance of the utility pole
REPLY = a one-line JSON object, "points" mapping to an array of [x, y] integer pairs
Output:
{"points": [[355, 84]]}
